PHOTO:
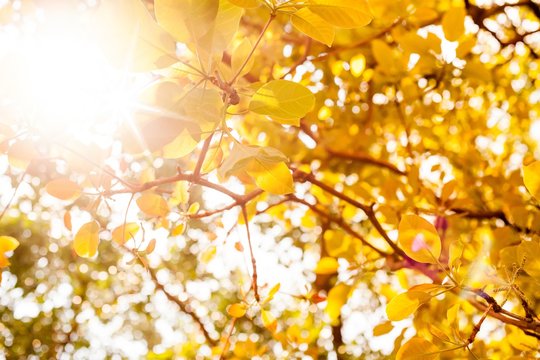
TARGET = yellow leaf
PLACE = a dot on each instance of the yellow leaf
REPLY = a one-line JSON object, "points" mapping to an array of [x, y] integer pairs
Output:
{"points": [[8, 243], [22, 153], [337, 297], [342, 13], [208, 254], [313, 26], [529, 251], [531, 178], [276, 178], [326, 266], [180, 193], [285, 101], [151, 246], [405, 304], [268, 320], [247, 4], [179, 229], [271, 294], [417, 349], [153, 204], [122, 234], [358, 65], [239, 56], [383, 328], [182, 145], [185, 19], [237, 310], [419, 239], [63, 189], [86, 240], [133, 39], [453, 23], [193, 208]]}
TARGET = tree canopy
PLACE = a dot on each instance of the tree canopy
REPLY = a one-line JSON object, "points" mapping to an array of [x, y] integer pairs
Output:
{"points": [[292, 179]]}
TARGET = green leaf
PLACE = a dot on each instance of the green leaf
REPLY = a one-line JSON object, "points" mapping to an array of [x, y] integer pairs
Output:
{"points": [[313, 26], [342, 13], [531, 178], [285, 101], [405, 304], [419, 239]]}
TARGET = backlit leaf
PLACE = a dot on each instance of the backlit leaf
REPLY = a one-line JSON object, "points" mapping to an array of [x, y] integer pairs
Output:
{"points": [[419, 239], [268, 320], [313, 26], [531, 178], [383, 328], [153, 204], [8, 243], [276, 178], [237, 310], [358, 65], [285, 101], [337, 297], [123, 233], [86, 240], [405, 304], [342, 13], [133, 40], [248, 4], [63, 189], [327, 265], [453, 23], [239, 56], [417, 348]]}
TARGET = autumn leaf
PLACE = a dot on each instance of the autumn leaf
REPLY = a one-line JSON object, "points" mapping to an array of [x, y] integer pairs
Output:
{"points": [[417, 348], [531, 178], [337, 297], [124, 232], [153, 204], [313, 26], [7, 243], [237, 310], [284, 101], [63, 189], [405, 304], [86, 240], [453, 23], [419, 239], [342, 13], [327, 265]]}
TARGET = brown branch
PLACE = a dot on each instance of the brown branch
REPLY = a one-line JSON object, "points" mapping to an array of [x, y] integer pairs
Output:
{"points": [[340, 222], [368, 210], [253, 262], [244, 200], [204, 150], [365, 158], [184, 306]]}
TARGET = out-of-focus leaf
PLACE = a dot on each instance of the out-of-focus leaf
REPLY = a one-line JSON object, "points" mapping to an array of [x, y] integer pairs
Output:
{"points": [[86, 240]]}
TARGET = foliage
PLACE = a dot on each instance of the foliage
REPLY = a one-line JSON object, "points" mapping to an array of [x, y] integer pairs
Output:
{"points": [[293, 179]]}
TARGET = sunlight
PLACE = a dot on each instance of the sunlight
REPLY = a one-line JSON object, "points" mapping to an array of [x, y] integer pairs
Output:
{"points": [[59, 80]]}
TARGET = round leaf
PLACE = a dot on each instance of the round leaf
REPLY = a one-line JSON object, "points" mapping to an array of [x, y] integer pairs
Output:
{"points": [[63, 189], [419, 239], [86, 240]]}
